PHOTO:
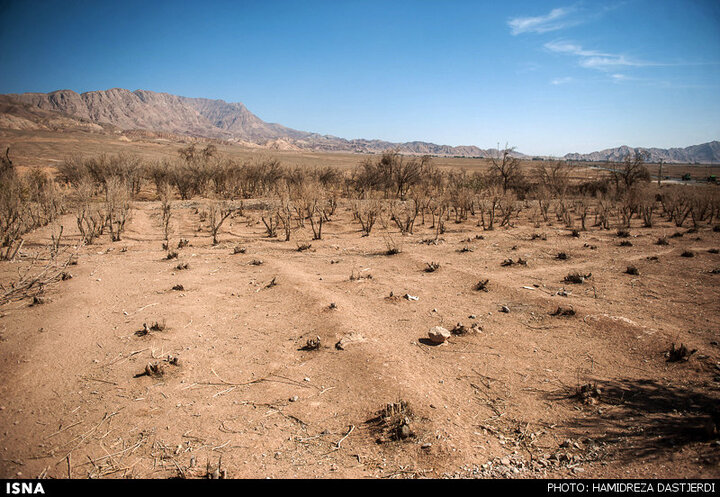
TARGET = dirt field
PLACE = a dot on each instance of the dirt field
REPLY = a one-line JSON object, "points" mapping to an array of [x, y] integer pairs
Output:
{"points": [[498, 401]]}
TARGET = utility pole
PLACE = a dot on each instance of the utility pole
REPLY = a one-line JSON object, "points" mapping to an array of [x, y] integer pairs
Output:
{"points": [[660, 172]]}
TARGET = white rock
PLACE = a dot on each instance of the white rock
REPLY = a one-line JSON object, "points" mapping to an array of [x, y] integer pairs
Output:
{"points": [[438, 334]]}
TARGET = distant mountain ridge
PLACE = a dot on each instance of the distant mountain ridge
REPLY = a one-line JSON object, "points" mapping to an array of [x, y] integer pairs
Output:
{"points": [[705, 153], [119, 109]]}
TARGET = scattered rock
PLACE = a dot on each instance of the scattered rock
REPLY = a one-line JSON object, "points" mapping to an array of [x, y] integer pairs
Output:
{"points": [[438, 334]]}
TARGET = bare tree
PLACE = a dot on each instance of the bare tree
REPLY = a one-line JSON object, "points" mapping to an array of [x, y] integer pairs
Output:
{"points": [[506, 168], [632, 170]]}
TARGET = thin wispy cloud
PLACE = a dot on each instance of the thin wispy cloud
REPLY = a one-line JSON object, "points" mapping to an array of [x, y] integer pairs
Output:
{"points": [[595, 59], [552, 21], [562, 81], [559, 18]]}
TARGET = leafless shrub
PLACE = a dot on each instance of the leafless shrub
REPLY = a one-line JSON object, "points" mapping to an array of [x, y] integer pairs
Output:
{"points": [[218, 212], [90, 214], [312, 344], [679, 354], [676, 204], [505, 168], [431, 267], [166, 195], [393, 247], [271, 220], [117, 206], [632, 170], [394, 422], [403, 213], [367, 213], [623, 233], [481, 286]]}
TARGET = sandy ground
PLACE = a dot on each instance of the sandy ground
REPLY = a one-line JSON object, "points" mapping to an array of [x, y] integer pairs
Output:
{"points": [[496, 402]]}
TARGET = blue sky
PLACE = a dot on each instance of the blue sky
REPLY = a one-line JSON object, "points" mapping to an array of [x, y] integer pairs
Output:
{"points": [[546, 77]]}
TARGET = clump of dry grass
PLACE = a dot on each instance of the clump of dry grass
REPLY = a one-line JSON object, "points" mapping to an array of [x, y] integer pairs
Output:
{"points": [[678, 354], [156, 326], [460, 329], [312, 344], [662, 241], [626, 243], [632, 270], [588, 394], [510, 262], [576, 278], [481, 286], [431, 267], [394, 421], [687, 253]]}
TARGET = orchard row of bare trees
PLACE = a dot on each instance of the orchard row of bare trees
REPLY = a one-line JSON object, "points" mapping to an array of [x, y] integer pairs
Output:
{"points": [[395, 191], [26, 203]]}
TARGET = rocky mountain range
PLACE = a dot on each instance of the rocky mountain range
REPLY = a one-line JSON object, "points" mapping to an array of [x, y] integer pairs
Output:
{"points": [[705, 153], [119, 110]]}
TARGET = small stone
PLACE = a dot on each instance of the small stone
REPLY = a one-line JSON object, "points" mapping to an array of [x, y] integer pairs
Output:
{"points": [[438, 334], [294, 398], [505, 309]]}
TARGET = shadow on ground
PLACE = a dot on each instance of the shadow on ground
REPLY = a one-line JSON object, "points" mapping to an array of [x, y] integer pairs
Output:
{"points": [[643, 419]]}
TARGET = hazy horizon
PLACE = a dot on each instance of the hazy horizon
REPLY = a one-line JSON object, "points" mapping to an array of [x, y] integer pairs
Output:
{"points": [[548, 79]]}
